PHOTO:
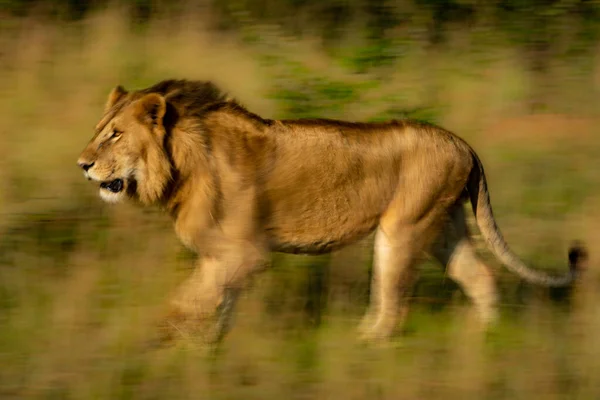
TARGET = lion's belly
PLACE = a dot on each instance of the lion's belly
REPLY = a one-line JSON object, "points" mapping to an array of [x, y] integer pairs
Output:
{"points": [[314, 245]]}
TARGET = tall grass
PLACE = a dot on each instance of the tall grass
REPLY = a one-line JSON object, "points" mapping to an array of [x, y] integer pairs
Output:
{"points": [[80, 281]]}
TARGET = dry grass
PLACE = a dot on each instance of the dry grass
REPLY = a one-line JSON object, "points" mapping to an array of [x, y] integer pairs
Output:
{"points": [[72, 314]]}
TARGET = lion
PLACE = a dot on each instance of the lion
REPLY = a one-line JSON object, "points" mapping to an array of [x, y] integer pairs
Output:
{"points": [[238, 186]]}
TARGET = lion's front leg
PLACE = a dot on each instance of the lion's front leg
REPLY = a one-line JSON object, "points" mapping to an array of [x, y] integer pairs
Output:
{"points": [[196, 301], [203, 306]]}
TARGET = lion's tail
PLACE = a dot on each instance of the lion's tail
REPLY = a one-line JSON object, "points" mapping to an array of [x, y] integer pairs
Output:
{"points": [[480, 201]]}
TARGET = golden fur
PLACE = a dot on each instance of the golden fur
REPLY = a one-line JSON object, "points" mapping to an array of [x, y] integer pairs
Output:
{"points": [[238, 186]]}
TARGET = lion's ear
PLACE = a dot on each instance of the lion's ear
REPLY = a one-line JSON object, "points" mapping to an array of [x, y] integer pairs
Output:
{"points": [[115, 95], [151, 108]]}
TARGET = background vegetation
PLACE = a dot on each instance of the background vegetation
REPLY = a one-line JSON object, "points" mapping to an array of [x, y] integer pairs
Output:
{"points": [[80, 281]]}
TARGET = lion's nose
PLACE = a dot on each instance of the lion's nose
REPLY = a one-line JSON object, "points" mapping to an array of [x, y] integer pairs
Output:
{"points": [[85, 165]]}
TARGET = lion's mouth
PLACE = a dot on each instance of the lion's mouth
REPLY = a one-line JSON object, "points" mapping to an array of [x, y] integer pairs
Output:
{"points": [[114, 186]]}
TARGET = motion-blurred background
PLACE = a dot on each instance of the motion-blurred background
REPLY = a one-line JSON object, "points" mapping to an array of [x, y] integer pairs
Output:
{"points": [[80, 280]]}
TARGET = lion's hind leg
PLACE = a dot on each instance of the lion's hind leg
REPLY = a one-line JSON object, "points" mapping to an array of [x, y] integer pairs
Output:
{"points": [[399, 247], [406, 230], [456, 252], [393, 278]]}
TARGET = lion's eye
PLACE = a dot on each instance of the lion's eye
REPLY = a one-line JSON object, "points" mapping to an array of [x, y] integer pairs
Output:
{"points": [[115, 134]]}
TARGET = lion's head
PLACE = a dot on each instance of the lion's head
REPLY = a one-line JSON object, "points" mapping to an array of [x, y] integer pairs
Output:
{"points": [[126, 156]]}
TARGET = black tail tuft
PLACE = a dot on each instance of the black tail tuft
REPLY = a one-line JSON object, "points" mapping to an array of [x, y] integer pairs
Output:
{"points": [[578, 257]]}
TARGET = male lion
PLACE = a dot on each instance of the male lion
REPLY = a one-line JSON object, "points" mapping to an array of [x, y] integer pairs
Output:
{"points": [[238, 186]]}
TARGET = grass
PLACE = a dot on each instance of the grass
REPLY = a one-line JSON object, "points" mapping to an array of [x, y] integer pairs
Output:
{"points": [[80, 282]]}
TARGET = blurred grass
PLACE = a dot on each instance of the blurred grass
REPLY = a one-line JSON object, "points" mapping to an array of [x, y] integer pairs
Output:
{"points": [[80, 281]]}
